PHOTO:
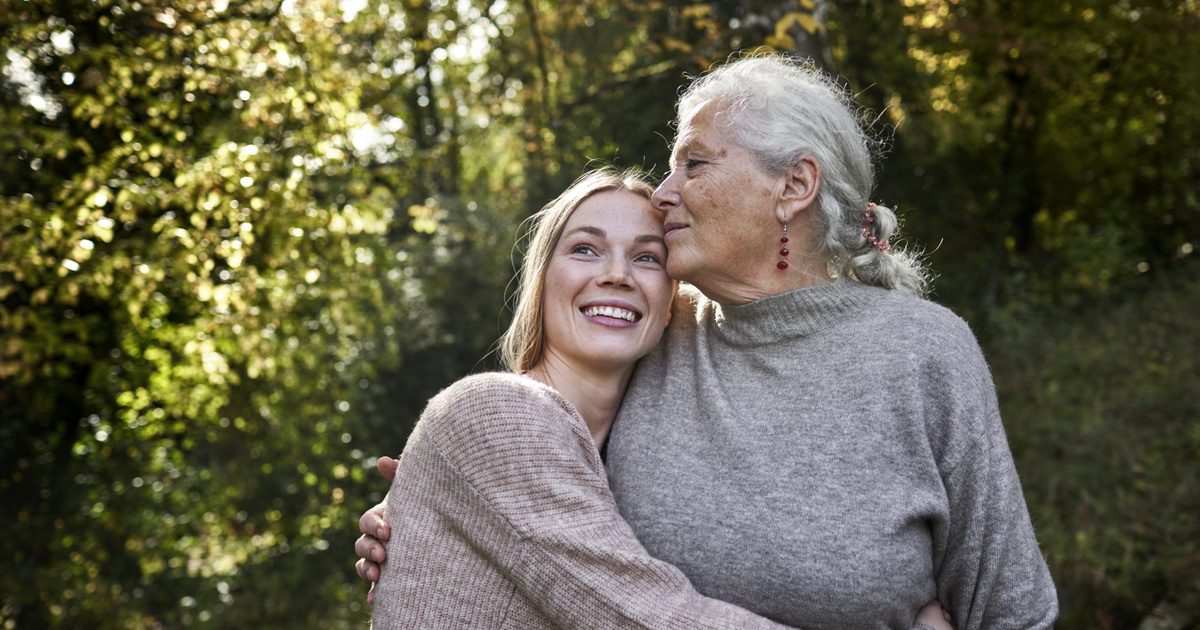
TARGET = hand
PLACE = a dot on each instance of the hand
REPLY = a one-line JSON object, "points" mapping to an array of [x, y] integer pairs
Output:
{"points": [[932, 617], [371, 546]]}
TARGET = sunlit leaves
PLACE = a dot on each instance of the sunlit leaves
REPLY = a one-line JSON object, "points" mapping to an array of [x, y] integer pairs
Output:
{"points": [[806, 21], [201, 240]]}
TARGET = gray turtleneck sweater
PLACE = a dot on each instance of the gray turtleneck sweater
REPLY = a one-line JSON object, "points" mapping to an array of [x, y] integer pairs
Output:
{"points": [[829, 457]]}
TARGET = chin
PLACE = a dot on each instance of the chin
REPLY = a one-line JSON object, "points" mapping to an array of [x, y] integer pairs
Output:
{"points": [[616, 359], [680, 270]]}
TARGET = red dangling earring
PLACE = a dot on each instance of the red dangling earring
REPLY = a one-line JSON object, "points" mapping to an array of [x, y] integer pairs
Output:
{"points": [[783, 250]]}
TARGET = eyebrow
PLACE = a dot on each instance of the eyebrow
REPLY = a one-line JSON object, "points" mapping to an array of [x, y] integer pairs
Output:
{"points": [[690, 143], [589, 229], [680, 149], [595, 231]]}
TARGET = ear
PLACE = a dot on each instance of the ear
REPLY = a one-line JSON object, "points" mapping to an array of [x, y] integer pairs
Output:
{"points": [[801, 184]]}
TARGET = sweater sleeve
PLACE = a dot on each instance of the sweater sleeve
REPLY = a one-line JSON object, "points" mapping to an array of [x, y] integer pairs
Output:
{"points": [[992, 573], [537, 473]]}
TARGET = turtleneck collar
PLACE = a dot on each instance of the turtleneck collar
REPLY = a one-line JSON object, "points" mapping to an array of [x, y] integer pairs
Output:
{"points": [[796, 313]]}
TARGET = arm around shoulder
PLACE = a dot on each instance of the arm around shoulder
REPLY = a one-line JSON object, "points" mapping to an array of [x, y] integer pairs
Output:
{"points": [[530, 460]]}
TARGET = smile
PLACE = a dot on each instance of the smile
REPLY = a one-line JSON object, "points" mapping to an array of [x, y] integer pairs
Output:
{"points": [[611, 311]]}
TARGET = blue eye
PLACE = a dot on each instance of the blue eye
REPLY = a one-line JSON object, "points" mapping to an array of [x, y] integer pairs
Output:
{"points": [[650, 258], [583, 249]]}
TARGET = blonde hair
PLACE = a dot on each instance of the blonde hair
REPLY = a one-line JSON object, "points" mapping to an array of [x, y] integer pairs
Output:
{"points": [[522, 345]]}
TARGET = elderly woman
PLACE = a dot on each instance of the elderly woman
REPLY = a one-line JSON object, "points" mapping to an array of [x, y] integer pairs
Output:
{"points": [[812, 440]]}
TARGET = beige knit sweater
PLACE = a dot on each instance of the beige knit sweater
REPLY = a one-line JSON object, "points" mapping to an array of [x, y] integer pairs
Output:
{"points": [[502, 517]]}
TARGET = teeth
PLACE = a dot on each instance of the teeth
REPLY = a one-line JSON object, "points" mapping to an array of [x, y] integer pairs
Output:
{"points": [[610, 311]]}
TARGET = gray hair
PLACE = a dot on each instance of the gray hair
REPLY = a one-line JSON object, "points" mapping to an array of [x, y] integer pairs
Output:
{"points": [[785, 110]]}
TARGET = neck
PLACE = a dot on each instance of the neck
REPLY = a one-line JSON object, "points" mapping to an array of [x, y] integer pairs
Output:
{"points": [[769, 281], [595, 392], [758, 277]]}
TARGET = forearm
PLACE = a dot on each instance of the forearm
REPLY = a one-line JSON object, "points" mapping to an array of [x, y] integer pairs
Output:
{"points": [[994, 575], [601, 577]]}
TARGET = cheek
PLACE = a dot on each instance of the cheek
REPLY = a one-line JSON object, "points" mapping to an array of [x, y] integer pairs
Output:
{"points": [[714, 205], [702, 199], [660, 291], [556, 294]]}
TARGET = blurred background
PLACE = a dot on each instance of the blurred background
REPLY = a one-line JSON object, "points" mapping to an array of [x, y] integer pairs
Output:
{"points": [[242, 242]]}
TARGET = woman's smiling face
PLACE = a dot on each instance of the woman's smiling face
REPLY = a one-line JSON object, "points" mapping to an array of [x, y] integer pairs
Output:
{"points": [[607, 294]]}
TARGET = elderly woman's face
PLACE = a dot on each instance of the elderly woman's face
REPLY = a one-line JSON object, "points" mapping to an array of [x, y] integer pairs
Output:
{"points": [[718, 205]]}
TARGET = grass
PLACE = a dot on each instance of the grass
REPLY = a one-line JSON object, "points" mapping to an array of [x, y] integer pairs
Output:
{"points": [[1101, 408]]}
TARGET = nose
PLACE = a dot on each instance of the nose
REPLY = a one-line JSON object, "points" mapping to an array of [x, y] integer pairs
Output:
{"points": [[666, 196], [617, 273]]}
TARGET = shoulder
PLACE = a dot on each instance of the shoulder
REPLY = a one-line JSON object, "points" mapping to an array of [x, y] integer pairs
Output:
{"points": [[479, 407], [489, 389], [926, 327], [951, 373], [490, 422], [934, 346], [921, 312], [495, 394], [689, 302]]}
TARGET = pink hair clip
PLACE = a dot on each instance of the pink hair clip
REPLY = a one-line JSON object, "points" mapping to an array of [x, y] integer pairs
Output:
{"points": [[868, 231]]}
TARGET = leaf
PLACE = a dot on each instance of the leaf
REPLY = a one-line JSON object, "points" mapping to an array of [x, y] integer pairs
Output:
{"points": [[809, 24], [805, 21]]}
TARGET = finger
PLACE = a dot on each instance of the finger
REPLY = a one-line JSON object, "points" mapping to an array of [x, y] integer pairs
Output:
{"points": [[367, 570], [362, 547], [373, 522], [928, 613], [371, 595], [370, 549], [387, 467]]}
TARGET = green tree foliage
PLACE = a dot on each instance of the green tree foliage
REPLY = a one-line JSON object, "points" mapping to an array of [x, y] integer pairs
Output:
{"points": [[206, 266], [241, 243], [1050, 151]]}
